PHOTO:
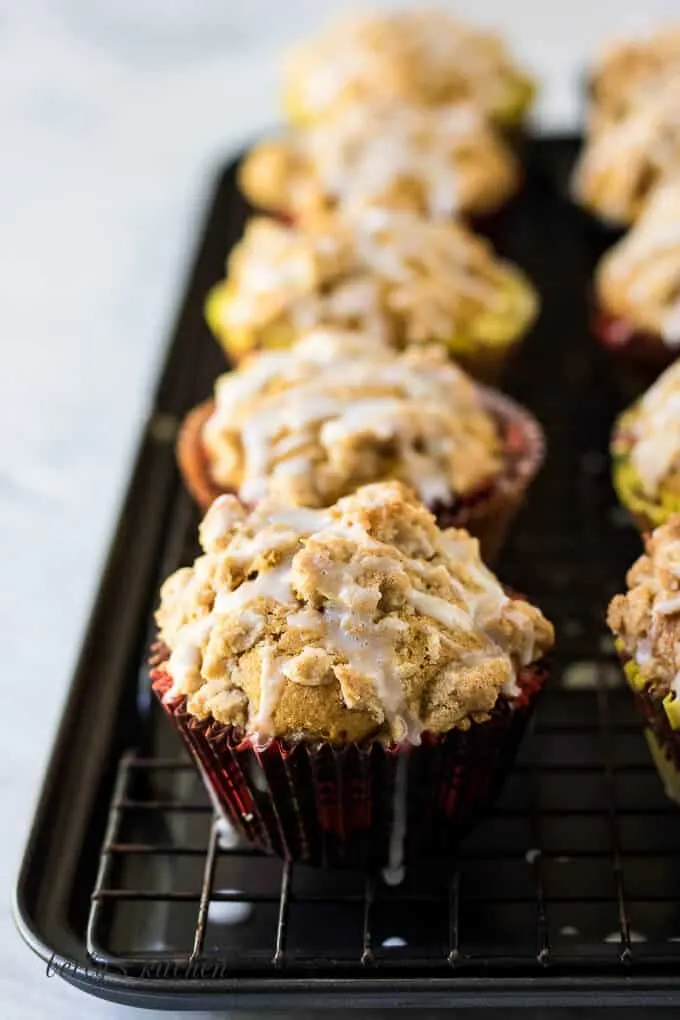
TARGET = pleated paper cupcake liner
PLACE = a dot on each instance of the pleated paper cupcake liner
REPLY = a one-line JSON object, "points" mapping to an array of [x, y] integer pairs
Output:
{"points": [[356, 805], [638, 357]]}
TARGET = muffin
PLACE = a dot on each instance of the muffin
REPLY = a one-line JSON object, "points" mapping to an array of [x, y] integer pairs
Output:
{"points": [[438, 162], [394, 276], [637, 286], [420, 57], [310, 425], [646, 624], [646, 453], [622, 164], [628, 73], [353, 681]]}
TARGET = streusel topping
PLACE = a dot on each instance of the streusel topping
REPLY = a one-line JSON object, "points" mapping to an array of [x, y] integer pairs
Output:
{"points": [[312, 424], [419, 56], [362, 620], [646, 620], [650, 433], [629, 72], [623, 163], [639, 278], [392, 275], [436, 161]]}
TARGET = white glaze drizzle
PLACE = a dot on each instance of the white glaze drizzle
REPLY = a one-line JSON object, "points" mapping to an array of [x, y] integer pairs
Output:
{"points": [[355, 161], [643, 653], [670, 324], [393, 874], [272, 584], [220, 520], [183, 664], [668, 606], [272, 679]]}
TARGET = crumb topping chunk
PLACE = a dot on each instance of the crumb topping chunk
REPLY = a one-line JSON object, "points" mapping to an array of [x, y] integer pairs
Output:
{"points": [[646, 619]]}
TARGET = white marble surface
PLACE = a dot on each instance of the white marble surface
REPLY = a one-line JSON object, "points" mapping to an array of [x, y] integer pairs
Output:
{"points": [[112, 115]]}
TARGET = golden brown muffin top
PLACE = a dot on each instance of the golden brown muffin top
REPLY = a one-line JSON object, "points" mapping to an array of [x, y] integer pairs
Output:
{"points": [[639, 278], [393, 275], [436, 161], [623, 163], [420, 56], [338, 410], [650, 433], [628, 72], [357, 621], [646, 619]]}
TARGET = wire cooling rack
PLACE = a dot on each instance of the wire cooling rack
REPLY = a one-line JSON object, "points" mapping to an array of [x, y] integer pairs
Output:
{"points": [[569, 891], [575, 869]]}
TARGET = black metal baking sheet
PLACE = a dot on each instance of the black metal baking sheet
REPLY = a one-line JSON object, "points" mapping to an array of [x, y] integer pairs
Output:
{"points": [[569, 893]]}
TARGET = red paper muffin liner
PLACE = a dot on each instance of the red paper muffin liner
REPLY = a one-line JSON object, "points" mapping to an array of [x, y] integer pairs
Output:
{"points": [[486, 514], [642, 356], [356, 805]]}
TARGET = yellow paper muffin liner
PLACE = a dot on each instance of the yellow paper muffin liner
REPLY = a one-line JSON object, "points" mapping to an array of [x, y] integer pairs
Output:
{"points": [[646, 512], [669, 774], [482, 350], [661, 721]]}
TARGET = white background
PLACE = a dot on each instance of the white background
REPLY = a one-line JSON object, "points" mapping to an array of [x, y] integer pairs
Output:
{"points": [[113, 114]]}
